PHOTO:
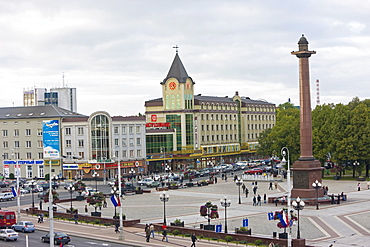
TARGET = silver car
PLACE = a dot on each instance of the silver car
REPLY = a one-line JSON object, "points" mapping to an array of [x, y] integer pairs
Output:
{"points": [[8, 234], [24, 226]]}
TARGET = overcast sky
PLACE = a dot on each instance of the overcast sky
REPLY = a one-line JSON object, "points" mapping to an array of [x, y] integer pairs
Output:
{"points": [[117, 52]]}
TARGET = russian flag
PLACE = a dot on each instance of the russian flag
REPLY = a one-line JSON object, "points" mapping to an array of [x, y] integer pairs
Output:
{"points": [[115, 200], [283, 219], [15, 194]]}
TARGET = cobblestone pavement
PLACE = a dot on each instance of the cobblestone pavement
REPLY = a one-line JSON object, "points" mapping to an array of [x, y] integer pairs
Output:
{"points": [[342, 225]]}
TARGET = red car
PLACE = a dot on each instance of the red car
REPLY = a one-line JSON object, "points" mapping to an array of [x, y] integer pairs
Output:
{"points": [[254, 171]]}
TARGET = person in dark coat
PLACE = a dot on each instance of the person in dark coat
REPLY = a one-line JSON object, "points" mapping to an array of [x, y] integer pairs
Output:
{"points": [[246, 192], [76, 218], [147, 232], [193, 240], [259, 200], [116, 230], [254, 201]]}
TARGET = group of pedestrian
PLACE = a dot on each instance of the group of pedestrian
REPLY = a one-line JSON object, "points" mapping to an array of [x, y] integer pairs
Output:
{"points": [[149, 232], [40, 218]]}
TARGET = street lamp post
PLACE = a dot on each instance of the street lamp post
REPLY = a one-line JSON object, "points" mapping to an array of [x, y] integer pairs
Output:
{"points": [[317, 185], [285, 152], [54, 178], [225, 203], [132, 173], [298, 205], [33, 184], [164, 198], [239, 182], [96, 175], [105, 171], [355, 165], [71, 189]]}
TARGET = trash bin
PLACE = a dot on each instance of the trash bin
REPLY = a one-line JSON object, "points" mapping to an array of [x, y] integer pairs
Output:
{"points": [[201, 226], [274, 234], [283, 235]]}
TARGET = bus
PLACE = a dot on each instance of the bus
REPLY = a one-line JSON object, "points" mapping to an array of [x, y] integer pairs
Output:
{"points": [[7, 218]]}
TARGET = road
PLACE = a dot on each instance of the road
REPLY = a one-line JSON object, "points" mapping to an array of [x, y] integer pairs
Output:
{"points": [[34, 240]]}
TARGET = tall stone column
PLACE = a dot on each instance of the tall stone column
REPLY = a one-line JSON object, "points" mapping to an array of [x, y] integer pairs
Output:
{"points": [[306, 169]]}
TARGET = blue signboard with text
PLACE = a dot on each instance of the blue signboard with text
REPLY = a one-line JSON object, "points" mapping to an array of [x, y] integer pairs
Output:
{"points": [[218, 228], [50, 139]]}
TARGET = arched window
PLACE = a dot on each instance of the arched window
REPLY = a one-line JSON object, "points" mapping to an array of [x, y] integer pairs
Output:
{"points": [[100, 137]]}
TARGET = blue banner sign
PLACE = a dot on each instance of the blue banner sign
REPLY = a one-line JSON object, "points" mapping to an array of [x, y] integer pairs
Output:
{"points": [[245, 222], [218, 228], [50, 138], [23, 162]]}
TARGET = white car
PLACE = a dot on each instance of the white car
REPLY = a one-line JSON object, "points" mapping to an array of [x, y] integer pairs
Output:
{"points": [[8, 234], [111, 183], [145, 181], [88, 191], [7, 196]]}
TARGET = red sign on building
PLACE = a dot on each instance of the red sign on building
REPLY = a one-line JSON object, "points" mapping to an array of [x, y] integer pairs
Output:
{"points": [[153, 118]]}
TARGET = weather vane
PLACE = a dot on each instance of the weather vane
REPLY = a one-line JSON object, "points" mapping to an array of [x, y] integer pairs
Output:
{"points": [[177, 48]]}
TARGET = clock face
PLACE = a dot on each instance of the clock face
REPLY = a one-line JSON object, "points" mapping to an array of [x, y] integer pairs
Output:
{"points": [[172, 85], [188, 85]]}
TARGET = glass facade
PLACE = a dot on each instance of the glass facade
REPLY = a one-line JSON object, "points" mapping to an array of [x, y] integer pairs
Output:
{"points": [[175, 121], [100, 137], [189, 130], [159, 143]]}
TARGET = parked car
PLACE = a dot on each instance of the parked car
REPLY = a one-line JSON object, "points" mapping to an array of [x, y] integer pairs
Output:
{"points": [[8, 234], [66, 185], [127, 187], [25, 190], [112, 183], [7, 196], [254, 171], [2, 184], [24, 226], [154, 184], [43, 194], [145, 181], [88, 191], [59, 237]]}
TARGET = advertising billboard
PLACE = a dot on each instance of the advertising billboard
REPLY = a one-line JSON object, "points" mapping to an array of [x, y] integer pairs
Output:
{"points": [[50, 138]]}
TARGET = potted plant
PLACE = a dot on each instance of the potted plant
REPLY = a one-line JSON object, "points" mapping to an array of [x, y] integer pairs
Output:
{"points": [[79, 187], [139, 190], [55, 196], [177, 222], [209, 211], [173, 186], [244, 230], [96, 200]]}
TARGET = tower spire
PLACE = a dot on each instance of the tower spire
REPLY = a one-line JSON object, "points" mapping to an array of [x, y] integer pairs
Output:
{"points": [[177, 48]]}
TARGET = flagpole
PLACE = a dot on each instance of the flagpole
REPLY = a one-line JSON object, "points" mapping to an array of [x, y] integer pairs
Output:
{"points": [[18, 194], [121, 237]]}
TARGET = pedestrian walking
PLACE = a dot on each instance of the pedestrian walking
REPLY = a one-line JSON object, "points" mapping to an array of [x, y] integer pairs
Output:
{"points": [[254, 201], [338, 200], [86, 210], [243, 187], [283, 200], [116, 229], [276, 184], [276, 201], [40, 204], [246, 192], [368, 185], [151, 226], [147, 232], [259, 200], [264, 198], [193, 240], [271, 244], [332, 199], [76, 218], [358, 187], [39, 218], [164, 234], [215, 180], [270, 187], [105, 204], [255, 190]]}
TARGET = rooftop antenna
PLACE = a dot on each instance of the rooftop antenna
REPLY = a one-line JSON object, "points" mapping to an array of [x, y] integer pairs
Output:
{"points": [[63, 79]]}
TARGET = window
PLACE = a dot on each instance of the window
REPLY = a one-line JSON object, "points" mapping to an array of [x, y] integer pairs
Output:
{"points": [[116, 141], [16, 132], [39, 132], [16, 144], [124, 143], [41, 171], [68, 143], [80, 131], [40, 155], [131, 142], [5, 144], [39, 144], [138, 153], [5, 156], [68, 131], [131, 130], [138, 129], [28, 132], [69, 154], [28, 155], [124, 130], [124, 154], [80, 143], [138, 141], [116, 130], [116, 153], [81, 155], [132, 153], [17, 156], [28, 144], [5, 133], [29, 171]]}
